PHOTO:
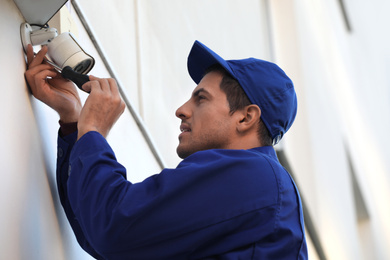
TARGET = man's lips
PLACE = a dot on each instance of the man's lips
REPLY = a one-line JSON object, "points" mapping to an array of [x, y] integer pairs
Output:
{"points": [[184, 128]]}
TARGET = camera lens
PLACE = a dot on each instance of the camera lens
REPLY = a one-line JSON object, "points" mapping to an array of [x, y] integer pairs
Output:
{"points": [[82, 66]]}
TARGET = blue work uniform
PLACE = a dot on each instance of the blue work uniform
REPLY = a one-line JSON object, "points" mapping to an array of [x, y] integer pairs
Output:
{"points": [[217, 204]]}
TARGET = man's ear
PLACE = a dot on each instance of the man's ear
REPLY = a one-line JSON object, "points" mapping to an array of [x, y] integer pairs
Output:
{"points": [[248, 118]]}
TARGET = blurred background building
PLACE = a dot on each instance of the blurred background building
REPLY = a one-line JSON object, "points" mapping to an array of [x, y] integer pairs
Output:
{"points": [[336, 51]]}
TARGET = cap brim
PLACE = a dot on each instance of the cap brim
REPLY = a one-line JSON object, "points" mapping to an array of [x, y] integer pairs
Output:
{"points": [[201, 58]]}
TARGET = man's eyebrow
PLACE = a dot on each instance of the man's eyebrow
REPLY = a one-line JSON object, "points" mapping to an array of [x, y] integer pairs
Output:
{"points": [[196, 93]]}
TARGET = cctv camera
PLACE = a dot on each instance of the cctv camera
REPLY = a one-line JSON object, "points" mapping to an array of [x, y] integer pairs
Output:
{"points": [[63, 49]]}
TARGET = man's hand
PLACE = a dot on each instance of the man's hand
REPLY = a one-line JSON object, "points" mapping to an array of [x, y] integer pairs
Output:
{"points": [[102, 108], [48, 86]]}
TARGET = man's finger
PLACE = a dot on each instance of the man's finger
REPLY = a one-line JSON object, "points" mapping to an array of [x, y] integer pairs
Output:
{"points": [[105, 85], [31, 73], [39, 57], [91, 77], [92, 84], [113, 86], [41, 77], [87, 86], [30, 54], [39, 67]]}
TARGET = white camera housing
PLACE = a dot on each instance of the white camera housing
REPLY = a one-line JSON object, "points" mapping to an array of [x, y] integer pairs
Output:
{"points": [[63, 49]]}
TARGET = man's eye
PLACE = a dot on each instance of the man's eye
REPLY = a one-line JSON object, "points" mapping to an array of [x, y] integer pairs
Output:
{"points": [[200, 99]]}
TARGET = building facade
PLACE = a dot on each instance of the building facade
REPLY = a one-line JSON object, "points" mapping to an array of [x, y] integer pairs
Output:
{"points": [[336, 52]]}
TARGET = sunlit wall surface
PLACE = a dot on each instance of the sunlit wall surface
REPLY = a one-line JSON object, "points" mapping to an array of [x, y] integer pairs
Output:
{"points": [[336, 52]]}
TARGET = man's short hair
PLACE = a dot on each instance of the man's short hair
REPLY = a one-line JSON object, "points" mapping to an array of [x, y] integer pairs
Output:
{"points": [[237, 100]]}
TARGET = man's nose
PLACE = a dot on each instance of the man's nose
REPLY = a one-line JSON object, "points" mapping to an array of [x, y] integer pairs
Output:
{"points": [[183, 111]]}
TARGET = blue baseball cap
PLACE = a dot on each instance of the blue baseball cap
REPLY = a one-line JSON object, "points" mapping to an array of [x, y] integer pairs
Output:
{"points": [[265, 84]]}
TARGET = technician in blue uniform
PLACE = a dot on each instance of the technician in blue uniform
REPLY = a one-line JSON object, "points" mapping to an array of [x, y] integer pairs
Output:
{"points": [[228, 199]]}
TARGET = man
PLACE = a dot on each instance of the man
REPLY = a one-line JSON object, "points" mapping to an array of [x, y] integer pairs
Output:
{"points": [[228, 199]]}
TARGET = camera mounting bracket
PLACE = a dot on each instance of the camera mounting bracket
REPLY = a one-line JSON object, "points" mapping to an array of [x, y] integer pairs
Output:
{"points": [[39, 36]]}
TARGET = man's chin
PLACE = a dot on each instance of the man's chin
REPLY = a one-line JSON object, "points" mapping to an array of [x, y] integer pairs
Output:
{"points": [[182, 152]]}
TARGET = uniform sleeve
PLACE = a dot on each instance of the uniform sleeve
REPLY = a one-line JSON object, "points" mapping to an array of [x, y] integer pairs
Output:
{"points": [[197, 207], [65, 145]]}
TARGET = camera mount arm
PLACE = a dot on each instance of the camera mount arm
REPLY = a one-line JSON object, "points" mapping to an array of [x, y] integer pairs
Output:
{"points": [[39, 36]]}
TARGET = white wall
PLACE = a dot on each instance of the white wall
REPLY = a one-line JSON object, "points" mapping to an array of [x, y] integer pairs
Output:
{"points": [[343, 91], [29, 217]]}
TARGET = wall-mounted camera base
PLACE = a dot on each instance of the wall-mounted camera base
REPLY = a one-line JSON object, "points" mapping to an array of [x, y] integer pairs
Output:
{"points": [[25, 35], [36, 36]]}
